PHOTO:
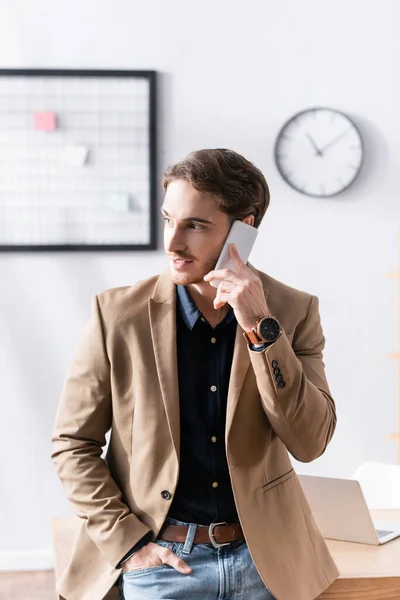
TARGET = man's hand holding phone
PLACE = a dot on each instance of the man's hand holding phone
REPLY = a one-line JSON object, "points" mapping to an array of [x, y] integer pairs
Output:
{"points": [[242, 290]]}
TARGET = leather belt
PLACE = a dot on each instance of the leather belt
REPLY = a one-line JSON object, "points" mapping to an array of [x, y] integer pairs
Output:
{"points": [[217, 534]]}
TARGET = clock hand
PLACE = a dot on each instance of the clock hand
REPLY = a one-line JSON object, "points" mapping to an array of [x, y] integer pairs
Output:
{"points": [[314, 145], [336, 139]]}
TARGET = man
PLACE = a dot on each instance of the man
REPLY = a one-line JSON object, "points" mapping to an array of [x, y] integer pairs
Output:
{"points": [[205, 391]]}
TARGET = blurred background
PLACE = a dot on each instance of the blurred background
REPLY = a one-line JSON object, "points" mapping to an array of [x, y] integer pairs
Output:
{"points": [[229, 74]]}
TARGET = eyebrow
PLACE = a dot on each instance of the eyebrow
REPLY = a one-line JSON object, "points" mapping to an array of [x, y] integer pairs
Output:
{"points": [[190, 219]]}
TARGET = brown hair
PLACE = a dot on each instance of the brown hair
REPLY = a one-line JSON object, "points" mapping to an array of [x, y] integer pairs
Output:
{"points": [[239, 188]]}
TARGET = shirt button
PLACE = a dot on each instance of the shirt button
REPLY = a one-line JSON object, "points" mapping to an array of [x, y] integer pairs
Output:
{"points": [[213, 340], [213, 439], [202, 319], [215, 484], [213, 388]]}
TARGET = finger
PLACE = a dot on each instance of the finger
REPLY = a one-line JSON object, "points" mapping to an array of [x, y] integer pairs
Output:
{"points": [[177, 563], [218, 304], [221, 299], [235, 256], [226, 287], [223, 275]]}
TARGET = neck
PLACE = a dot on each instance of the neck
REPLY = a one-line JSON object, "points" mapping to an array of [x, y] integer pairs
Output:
{"points": [[203, 295]]}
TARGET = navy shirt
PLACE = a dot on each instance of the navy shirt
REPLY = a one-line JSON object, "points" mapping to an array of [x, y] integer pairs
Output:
{"points": [[204, 493]]}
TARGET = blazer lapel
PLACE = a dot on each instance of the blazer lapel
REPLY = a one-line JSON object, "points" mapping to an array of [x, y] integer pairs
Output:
{"points": [[240, 366], [162, 312]]}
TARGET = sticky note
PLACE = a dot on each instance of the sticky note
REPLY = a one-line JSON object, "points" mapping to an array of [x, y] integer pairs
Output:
{"points": [[45, 121], [75, 155], [119, 202]]}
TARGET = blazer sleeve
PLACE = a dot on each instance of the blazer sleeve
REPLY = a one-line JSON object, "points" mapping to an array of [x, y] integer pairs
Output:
{"points": [[294, 390], [84, 416]]}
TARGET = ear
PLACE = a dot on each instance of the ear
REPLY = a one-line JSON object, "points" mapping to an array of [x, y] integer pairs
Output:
{"points": [[249, 220]]}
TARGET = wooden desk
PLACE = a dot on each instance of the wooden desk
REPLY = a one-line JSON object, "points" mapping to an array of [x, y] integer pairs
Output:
{"points": [[366, 572]]}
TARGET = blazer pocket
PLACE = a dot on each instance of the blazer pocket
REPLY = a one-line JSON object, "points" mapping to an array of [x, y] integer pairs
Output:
{"points": [[278, 480]]}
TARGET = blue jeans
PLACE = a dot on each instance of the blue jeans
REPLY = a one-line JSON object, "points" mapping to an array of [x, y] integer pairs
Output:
{"points": [[226, 573]]}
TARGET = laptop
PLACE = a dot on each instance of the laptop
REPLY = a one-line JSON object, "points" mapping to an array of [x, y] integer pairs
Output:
{"points": [[341, 512]]}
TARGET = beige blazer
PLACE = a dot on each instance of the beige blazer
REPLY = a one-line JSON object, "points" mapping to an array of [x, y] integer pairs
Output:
{"points": [[124, 378]]}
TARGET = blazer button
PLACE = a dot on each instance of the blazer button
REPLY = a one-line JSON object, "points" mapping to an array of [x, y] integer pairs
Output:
{"points": [[165, 495], [277, 371], [274, 364], [281, 384], [279, 377]]}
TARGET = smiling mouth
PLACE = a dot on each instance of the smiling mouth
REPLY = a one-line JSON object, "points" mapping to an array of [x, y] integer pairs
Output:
{"points": [[180, 262]]}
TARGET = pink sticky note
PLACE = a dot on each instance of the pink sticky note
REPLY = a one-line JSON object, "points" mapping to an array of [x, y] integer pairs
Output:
{"points": [[45, 121]]}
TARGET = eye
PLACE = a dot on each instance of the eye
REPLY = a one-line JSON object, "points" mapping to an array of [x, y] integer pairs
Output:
{"points": [[196, 226]]}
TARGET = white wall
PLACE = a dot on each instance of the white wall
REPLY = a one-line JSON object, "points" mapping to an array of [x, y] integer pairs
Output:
{"points": [[230, 74]]}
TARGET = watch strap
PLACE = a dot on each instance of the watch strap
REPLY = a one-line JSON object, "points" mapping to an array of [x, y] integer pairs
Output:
{"points": [[252, 337]]}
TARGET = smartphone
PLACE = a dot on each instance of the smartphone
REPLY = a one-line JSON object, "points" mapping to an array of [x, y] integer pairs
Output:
{"points": [[243, 236]]}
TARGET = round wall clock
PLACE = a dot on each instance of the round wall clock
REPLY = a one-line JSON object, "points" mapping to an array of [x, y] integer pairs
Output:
{"points": [[319, 152]]}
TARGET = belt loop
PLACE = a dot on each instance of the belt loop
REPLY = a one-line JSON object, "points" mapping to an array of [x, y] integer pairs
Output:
{"points": [[187, 548]]}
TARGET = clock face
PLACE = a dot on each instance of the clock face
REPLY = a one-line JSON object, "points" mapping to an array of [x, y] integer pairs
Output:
{"points": [[270, 329], [319, 152]]}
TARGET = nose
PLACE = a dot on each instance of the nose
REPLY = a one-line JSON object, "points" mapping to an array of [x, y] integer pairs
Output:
{"points": [[173, 240]]}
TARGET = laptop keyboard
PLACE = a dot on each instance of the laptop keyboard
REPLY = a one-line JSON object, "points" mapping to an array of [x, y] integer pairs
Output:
{"points": [[382, 533]]}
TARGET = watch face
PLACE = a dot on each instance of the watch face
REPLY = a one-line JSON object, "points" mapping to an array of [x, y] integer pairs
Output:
{"points": [[319, 152], [269, 329]]}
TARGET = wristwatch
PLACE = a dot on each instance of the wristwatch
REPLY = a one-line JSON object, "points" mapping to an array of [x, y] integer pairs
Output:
{"points": [[266, 331]]}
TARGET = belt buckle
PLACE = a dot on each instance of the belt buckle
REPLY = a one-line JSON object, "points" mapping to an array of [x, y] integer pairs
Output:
{"points": [[211, 534]]}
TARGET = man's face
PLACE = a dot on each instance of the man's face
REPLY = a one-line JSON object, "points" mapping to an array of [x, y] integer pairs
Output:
{"points": [[195, 231]]}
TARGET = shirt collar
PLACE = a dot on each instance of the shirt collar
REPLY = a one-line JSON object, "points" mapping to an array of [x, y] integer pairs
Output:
{"points": [[189, 311], [187, 308]]}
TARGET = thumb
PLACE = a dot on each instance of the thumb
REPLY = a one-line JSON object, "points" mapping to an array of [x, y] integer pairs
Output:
{"points": [[178, 564], [218, 302]]}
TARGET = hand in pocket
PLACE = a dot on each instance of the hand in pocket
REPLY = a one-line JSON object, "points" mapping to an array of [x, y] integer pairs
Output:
{"points": [[153, 555]]}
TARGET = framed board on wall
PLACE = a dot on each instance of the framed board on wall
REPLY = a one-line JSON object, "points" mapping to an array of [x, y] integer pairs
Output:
{"points": [[77, 160]]}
